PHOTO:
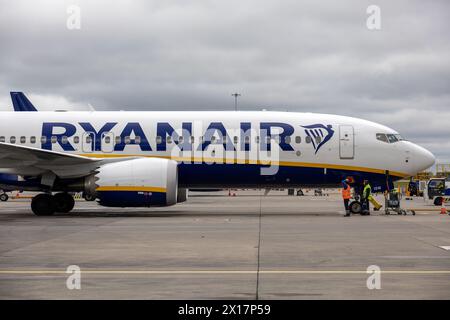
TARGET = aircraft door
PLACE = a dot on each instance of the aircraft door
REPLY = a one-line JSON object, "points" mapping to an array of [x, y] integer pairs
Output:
{"points": [[346, 142], [107, 142]]}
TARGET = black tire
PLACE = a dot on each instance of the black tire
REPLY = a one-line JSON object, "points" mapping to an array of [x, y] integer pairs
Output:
{"points": [[355, 207], [64, 202], [88, 197], [43, 205], [4, 197], [438, 201]]}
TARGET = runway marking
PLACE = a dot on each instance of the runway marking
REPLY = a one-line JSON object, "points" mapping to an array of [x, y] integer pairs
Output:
{"points": [[445, 247], [90, 271]]}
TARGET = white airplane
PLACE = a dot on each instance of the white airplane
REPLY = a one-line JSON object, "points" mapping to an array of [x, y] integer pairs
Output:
{"points": [[143, 159]]}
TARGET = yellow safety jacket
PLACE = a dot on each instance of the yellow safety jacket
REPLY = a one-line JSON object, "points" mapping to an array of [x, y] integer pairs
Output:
{"points": [[367, 191]]}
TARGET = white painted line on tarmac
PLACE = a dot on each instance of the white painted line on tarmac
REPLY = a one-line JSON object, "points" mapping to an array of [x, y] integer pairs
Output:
{"points": [[445, 247]]}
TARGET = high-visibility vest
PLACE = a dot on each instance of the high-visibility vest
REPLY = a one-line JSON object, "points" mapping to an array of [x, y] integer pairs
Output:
{"points": [[367, 190], [346, 192]]}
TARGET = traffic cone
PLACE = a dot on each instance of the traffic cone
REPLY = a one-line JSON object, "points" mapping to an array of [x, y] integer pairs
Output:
{"points": [[443, 209]]}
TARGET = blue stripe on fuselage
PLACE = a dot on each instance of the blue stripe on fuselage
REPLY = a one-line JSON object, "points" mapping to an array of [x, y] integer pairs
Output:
{"points": [[245, 175]]}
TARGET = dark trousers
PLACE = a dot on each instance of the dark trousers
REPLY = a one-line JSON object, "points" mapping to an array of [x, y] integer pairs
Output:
{"points": [[365, 204], [346, 201]]}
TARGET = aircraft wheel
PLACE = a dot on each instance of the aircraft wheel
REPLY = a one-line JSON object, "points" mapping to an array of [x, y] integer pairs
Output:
{"points": [[438, 201], [355, 207], [64, 202], [4, 197], [43, 205], [88, 197]]}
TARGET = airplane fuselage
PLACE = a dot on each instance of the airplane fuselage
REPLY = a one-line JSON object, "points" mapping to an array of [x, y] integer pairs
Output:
{"points": [[228, 149]]}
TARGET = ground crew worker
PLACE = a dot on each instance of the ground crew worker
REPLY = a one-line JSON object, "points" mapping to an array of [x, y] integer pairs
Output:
{"points": [[367, 192], [346, 195]]}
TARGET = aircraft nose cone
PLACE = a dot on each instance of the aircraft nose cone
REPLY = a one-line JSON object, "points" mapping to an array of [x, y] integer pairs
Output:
{"points": [[425, 158]]}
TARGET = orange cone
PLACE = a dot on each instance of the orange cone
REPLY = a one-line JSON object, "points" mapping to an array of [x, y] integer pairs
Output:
{"points": [[443, 209]]}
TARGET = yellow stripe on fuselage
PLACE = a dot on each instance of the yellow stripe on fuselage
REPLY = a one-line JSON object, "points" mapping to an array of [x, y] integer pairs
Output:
{"points": [[131, 188], [258, 162]]}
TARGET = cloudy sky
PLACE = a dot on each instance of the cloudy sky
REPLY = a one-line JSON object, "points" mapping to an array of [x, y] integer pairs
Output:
{"points": [[289, 55]]}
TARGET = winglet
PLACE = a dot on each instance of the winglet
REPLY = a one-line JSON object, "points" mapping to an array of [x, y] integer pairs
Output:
{"points": [[21, 102]]}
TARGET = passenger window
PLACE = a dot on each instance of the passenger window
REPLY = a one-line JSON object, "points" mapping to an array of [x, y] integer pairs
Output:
{"points": [[257, 139], [43, 139], [308, 139], [158, 139], [287, 139], [88, 139], [2, 139], [53, 139], [192, 139], [127, 140], [247, 139], [137, 139], [107, 139], [23, 139], [118, 139], [235, 139], [169, 139], [318, 140], [180, 139], [12, 139], [213, 139], [382, 137], [76, 139], [64, 140], [298, 139], [33, 140]]}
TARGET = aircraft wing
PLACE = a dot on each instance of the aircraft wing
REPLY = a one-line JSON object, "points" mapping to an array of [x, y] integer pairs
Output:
{"points": [[22, 160]]}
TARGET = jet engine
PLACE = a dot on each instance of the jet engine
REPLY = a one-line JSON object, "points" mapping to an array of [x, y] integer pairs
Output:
{"points": [[142, 182]]}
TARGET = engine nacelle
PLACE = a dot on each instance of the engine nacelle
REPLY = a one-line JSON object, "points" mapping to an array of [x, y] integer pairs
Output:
{"points": [[142, 182]]}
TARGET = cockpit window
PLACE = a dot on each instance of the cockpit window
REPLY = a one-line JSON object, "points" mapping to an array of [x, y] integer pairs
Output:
{"points": [[389, 138], [392, 138], [382, 137]]}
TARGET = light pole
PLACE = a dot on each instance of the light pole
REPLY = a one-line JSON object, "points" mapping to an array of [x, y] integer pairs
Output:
{"points": [[235, 95]]}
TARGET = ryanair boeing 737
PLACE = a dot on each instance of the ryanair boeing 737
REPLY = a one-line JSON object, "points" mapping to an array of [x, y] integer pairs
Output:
{"points": [[142, 159]]}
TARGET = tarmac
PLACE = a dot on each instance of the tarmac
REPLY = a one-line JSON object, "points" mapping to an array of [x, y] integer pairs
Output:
{"points": [[214, 246]]}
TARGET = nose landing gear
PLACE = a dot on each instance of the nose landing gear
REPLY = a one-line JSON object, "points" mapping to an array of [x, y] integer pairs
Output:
{"points": [[46, 205]]}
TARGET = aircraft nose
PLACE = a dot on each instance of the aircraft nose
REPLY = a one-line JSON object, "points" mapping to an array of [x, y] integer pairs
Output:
{"points": [[424, 158]]}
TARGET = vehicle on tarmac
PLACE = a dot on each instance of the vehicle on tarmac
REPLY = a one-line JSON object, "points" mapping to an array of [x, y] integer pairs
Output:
{"points": [[143, 159], [438, 190]]}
